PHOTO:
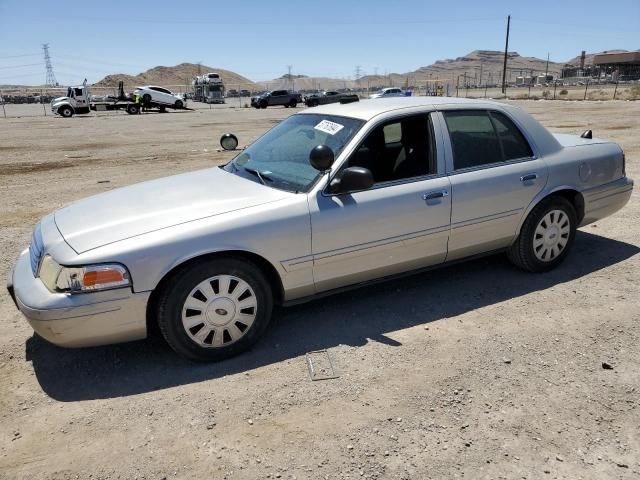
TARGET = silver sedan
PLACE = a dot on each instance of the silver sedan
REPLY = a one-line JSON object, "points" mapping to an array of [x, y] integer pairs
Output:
{"points": [[330, 198]]}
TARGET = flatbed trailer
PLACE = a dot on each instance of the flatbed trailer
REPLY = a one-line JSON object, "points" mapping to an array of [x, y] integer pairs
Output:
{"points": [[79, 101]]}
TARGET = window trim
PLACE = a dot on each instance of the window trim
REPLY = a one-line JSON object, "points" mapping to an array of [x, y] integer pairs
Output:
{"points": [[448, 146], [440, 149]]}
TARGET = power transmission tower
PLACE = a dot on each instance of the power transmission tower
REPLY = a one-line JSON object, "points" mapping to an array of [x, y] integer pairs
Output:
{"points": [[51, 78]]}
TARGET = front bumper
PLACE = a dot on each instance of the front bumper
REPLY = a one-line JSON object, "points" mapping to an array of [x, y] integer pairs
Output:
{"points": [[78, 320]]}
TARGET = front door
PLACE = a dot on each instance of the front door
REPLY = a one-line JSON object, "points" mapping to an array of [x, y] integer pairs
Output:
{"points": [[494, 177], [399, 224]]}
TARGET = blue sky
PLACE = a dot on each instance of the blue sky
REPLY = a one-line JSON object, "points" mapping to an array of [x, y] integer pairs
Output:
{"points": [[328, 38]]}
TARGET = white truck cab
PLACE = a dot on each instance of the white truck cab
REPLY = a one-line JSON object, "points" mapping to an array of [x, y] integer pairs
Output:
{"points": [[76, 101]]}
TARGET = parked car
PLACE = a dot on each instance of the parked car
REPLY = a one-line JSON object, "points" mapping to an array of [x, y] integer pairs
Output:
{"points": [[159, 95], [388, 92], [232, 94], [285, 98], [324, 98], [245, 93], [331, 197]]}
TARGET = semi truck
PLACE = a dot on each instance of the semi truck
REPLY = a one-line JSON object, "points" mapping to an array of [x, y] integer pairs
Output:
{"points": [[208, 88]]}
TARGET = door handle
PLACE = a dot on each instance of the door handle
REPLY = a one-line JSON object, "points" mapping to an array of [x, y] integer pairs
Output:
{"points": [[526, 178], [433, 195]]}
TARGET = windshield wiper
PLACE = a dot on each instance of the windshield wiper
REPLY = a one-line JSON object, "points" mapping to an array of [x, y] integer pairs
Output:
{"points": [[257, 173]]}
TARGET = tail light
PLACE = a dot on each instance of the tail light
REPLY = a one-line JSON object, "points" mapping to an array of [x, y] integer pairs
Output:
{"points": [[624, 165]]}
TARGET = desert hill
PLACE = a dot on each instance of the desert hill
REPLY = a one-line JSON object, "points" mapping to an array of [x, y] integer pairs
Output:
{"points": [[485, 62], [173, 76]]}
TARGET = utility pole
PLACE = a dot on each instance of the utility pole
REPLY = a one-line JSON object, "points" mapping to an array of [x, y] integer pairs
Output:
{"points": [[546, 69], [289, 67], [506, 51], [199, 68], [51, 78]]}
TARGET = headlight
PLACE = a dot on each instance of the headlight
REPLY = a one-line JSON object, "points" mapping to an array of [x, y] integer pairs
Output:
{"points": [[88, 278]]}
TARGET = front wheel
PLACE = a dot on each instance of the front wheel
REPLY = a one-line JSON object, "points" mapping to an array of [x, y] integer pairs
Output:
{"points": [[215, 309], [66, 111], [179, 104], [546, 236], [293, 104]]}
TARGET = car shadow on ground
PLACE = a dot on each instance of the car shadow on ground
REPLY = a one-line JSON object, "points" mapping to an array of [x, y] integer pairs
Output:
{"points": [[352, 318]]}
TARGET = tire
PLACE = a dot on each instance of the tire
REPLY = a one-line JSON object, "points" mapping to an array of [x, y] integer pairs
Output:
{"points": [[293, 104], [237, 320], [66, 111], [163, 109], [546, 237], [179, 104], [263, 104], [133, 109]]}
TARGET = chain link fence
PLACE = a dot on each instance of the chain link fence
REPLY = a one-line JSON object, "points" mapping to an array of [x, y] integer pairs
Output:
{"points": [[32, 102]]}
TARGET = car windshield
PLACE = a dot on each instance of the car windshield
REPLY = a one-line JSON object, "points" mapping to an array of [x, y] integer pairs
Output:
{"points": [[280, 158]]}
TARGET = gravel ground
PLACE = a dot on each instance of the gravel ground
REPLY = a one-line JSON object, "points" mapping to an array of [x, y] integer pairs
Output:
{"points": [[472, 371]]}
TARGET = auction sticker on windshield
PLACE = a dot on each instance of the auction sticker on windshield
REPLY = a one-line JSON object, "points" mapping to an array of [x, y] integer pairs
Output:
{"points": [[329, 127]]}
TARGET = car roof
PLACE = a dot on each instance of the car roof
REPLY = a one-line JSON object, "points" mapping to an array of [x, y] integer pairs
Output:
{"points": [[367, 109]]}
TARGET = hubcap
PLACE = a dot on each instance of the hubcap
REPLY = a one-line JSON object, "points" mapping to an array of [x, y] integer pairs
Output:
{"points": [[219, 311], [551, 235]]}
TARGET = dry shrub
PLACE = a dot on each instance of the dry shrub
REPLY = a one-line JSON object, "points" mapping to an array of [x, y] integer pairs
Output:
{"points": [[564, 91]]}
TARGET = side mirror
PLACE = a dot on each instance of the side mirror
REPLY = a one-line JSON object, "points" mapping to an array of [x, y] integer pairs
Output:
{"points": [[352, 179], [229, 141], [321, 158]]}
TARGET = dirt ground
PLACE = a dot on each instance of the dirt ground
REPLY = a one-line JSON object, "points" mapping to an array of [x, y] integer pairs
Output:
{"points": [[473, 371]]}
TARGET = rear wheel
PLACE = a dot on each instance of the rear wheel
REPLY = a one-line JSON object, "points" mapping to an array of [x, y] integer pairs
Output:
{"points": [[546, 236], [66, 111], [146, 99], [133, 109], [215, 309], [179, 104], [293, 104]]}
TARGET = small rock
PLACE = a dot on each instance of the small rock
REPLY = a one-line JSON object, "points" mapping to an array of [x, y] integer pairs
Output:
{"points": [[349, 447], [607, 366], [506, 360], [250, 422], [622, 465], [386, 453], [559, 458]]}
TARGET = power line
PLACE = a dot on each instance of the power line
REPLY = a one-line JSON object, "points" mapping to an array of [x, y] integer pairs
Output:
{"points": [[20, 66], [21, 56]]}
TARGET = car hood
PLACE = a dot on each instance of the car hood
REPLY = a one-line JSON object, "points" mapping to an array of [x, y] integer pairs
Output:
{"points": [[157, 204]]}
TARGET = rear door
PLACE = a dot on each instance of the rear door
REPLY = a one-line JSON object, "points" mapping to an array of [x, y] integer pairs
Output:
{"points": [[494, 174], [279, 97]]}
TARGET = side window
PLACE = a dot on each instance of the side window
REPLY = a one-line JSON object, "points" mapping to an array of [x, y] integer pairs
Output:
{"points": [[514, 145], [399, 149], [78, 92], [473, 138]]}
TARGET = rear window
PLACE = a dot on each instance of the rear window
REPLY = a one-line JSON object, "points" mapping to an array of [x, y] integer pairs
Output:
{"points": [[514, 145], [479, 137]]}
